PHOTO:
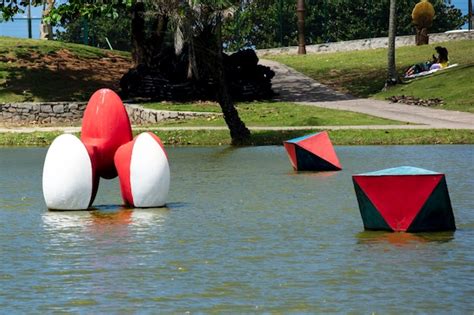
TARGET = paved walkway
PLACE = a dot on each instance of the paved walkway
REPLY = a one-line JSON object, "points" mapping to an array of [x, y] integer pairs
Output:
{"points": [[293, 86]]}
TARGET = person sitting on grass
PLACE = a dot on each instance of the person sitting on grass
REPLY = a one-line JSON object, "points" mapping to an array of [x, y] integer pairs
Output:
{"points": [[439, 61]]}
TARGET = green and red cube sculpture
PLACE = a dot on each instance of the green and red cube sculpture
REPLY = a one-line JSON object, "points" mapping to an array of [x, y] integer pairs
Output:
{"points": [[313, 152], [404, 199]]}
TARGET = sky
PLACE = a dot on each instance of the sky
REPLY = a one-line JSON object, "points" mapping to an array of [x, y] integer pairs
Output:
{"points": [[19, 28]]}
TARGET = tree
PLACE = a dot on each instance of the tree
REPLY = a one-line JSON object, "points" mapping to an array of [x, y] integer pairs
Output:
{"points": [[273, 23], [99, 30], [392, 77], [197, 24], [422, 15]]}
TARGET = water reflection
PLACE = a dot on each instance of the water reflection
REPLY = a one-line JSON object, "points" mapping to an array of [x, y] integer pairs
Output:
{"points": [[402, 239], [111, 215], [64, 220], [99, 217]]}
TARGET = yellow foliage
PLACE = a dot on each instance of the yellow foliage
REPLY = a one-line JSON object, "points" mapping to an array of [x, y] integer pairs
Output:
{"points": [[423, 14]]}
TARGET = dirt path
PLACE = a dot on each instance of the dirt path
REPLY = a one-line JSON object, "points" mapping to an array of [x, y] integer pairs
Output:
{"points": [[293, 86]]}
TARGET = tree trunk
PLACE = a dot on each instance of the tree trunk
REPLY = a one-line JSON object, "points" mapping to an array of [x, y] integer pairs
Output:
{"points": [[153, 45], [300, 10], [238, 131], [46, 29], [392, 77], [138, 33], [422, 36]]}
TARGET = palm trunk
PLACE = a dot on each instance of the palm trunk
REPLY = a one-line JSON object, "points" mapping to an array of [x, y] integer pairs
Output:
{"points": [[392, 78], [239, 133], [422, 36], [300, 10]]}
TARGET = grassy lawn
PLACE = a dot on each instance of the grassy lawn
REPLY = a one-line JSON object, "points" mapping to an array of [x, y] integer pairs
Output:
{"points": [[363, 73], [33, 70], [455, 86], [38, 70], [257, 114], [221, 137]]}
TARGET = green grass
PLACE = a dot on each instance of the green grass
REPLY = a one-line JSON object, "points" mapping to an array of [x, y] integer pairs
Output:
{"points": [[39, 70], [257, 114], [221, 137], [455, 86], [363, 73], [23, 48]]}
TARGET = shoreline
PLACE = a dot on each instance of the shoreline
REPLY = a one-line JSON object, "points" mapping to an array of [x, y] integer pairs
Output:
{"points": [[216, 137]]}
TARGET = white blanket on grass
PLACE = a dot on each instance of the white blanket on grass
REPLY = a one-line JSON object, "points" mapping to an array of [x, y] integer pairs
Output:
{"points": [[422, 74]]}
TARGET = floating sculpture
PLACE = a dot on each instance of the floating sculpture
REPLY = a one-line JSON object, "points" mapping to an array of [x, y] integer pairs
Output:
{"points": [[73, 167], [404, 199], [313, 152]]}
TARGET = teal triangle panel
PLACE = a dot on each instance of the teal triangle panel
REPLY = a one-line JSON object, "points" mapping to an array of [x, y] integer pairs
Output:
{"points": [[437, 213], [308, 161], [371, 217]]}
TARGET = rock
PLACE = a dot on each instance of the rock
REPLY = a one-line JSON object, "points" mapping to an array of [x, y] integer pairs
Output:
{"points": [[46, 109], [411, 100], [247, 79], [58, 109]]}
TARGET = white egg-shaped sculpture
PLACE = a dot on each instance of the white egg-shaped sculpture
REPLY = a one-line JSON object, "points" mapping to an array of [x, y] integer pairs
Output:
{"points": [[144, 172], [68, 175]]}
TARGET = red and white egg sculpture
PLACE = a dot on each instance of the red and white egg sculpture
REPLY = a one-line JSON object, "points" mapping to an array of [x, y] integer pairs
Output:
{"points": [[72, 167]]}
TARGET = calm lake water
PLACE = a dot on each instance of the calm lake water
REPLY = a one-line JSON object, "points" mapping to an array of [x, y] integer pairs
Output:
{"points": [[242, 233]]}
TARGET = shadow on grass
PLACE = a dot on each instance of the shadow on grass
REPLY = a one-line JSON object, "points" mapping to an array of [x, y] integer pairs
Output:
{"points": [[52, 85]]}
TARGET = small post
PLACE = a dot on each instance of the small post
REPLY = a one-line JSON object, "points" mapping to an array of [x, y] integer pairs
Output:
{"points": [[280, 16], [85, 29], [469, 14], [30, 32], [108, 43]]}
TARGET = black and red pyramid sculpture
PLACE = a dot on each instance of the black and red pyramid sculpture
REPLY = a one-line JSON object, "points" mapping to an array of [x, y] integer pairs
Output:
{"points": [[313, 152], [404, 199]]}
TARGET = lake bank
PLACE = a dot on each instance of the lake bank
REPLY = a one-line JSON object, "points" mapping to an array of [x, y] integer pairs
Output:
{"points": [[274, 137]]}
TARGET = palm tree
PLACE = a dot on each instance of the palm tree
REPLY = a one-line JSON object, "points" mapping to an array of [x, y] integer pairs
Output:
{"points": [[392, 77], [198, 24]]}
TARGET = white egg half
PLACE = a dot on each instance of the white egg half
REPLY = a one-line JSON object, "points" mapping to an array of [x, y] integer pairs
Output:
{"points": [[149, 173], [67, 175]]}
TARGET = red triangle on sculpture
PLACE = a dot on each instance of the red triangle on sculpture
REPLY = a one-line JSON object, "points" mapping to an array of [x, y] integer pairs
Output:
{"points": [[398, 198], [290, 148], [321, 145]]}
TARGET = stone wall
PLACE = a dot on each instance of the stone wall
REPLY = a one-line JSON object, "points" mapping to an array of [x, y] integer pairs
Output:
{"points": [[369, 43], [41, 113], [68, 113], [139, 115]]}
